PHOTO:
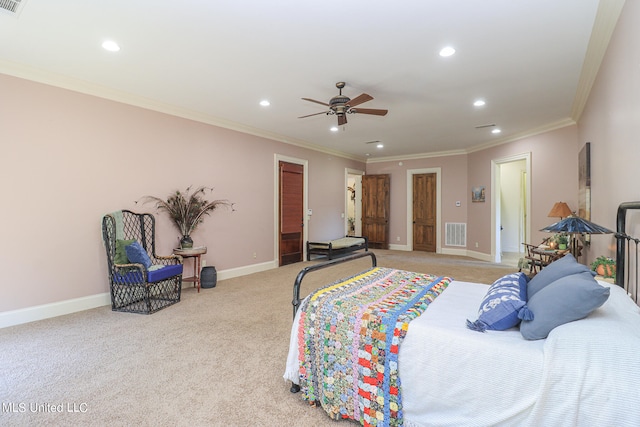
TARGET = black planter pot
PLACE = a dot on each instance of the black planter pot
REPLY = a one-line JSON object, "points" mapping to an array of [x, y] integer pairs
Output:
{"points": [[208, 277]]}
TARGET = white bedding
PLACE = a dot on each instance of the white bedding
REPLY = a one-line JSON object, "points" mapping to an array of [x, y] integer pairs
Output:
{"points": [[586, 373]]}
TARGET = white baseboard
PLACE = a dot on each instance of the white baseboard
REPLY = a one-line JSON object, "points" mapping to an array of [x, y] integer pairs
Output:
{"points": [[465, 252], [457, 252], [40, 312], [45, 311], [247, 269], [480, 256], [397, 248], [448, 251]]}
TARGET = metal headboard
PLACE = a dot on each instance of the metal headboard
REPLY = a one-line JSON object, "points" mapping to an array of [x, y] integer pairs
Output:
{"points": [[626, 254]]}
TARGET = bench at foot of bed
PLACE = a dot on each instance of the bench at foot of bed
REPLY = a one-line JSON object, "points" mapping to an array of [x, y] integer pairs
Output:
{"points": [[341, 246]]}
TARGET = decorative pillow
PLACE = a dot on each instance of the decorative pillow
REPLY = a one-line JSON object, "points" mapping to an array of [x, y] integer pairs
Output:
{"points": [[565, 266], [567, 299], [121, 255], [137, 255], [504, 300]]}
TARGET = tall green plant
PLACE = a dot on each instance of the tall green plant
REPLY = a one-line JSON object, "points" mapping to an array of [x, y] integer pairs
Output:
{"points": [[187, 209]]}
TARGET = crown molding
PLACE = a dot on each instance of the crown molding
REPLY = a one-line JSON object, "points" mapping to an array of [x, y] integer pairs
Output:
{"points": [[418, 156], [512, 138], [528, 133], [87, 88], [603, 27]]}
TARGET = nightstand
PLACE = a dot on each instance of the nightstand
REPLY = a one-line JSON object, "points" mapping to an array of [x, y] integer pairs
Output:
{"points": [[196, 254]]}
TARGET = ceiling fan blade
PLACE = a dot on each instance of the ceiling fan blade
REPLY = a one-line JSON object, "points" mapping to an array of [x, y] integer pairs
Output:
{"points": [[373, 111], [342, 120], [317, 102], [360, 99], [314, 114]]}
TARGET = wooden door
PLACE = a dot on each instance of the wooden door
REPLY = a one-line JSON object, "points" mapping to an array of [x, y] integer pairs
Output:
{"points": [[424, 212], [291, 215], [375, 210]]}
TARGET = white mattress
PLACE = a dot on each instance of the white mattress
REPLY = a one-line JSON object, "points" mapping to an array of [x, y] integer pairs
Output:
{"points": [[586, 373]]}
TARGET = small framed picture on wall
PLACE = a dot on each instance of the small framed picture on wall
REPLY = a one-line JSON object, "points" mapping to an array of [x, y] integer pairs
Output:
{"points": [[477, 194]]}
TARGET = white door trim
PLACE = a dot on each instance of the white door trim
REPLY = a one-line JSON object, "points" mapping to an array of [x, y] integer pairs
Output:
{"points": [[305, 207], [410, 173], [495, 205]]}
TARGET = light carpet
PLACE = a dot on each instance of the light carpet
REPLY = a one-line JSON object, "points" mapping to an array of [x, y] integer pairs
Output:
{"points": [[214, 359]]}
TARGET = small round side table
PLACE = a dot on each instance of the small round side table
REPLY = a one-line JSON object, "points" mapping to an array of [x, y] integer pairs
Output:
{"points": [[196, 254]]}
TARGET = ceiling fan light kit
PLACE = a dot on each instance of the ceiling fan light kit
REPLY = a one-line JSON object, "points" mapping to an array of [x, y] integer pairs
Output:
{"points": [[341, 105]]}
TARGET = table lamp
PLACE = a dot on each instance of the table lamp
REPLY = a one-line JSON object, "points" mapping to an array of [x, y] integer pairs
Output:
{"points": [[560, 210], [575, 225]]}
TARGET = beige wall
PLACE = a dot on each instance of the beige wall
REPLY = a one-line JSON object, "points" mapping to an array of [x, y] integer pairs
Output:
{"points": [[554, 177], [68, 158], [611, 122], [453, 185]]}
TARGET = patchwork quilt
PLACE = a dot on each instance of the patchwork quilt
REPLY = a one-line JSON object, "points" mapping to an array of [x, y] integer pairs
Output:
{"points": [[349, 334]]}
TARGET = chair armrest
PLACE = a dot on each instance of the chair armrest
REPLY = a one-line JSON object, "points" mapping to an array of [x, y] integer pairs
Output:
{"points": [[169, 259], [125, 269], [138, 266]]}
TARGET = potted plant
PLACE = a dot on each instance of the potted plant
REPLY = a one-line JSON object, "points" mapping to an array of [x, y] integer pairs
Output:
{"points": [[562, 240], [187, 210], [604, 266]]}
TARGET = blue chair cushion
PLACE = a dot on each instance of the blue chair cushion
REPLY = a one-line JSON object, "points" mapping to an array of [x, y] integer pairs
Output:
{"points": [[502, 304], [154, 275], [164, 272], [137, 255]]}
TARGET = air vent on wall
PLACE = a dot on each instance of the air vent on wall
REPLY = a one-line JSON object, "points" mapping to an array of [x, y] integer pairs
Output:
{"points": [[12, 7], [455, 234]]}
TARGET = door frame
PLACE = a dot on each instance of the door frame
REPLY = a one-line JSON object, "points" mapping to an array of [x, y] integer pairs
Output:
{"points": [[410, 173], [277, 158], [496, 250], [358, 210]]}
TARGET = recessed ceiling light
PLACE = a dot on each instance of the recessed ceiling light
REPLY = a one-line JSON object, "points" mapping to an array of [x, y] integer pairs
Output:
{"points": [[111, 46], [265, 103], [479, 103], [380, 145], [496, 130], [447, 51], [334, 129]]}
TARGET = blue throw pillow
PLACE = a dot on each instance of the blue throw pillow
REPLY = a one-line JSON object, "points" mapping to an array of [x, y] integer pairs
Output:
{"points": [[121, 254], [504, 301], [565, 266], [137, 255], [565, 300]]}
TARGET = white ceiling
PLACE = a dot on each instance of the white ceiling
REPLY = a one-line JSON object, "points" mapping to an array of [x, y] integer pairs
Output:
{"points": [[215, 60]]}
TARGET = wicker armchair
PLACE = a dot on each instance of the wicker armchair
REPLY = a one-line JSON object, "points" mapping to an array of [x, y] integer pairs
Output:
{"points": [[134, 287]]}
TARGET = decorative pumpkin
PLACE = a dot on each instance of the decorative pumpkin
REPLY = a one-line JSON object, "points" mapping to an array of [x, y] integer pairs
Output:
{"points": [[604, 266]]}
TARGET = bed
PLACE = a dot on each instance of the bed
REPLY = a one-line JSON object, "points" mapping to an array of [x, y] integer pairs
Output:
{"points": [[582, 373], [336, 247]]}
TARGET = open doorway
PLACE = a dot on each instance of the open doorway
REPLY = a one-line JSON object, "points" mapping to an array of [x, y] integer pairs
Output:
{"points": [[353, 202], [510, 211]]}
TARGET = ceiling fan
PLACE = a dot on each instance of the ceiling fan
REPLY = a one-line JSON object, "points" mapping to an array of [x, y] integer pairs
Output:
{"points": [[341, 105]]}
